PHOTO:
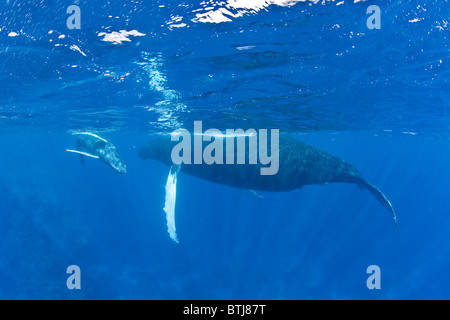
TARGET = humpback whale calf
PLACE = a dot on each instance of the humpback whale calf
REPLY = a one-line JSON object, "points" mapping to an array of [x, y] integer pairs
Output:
{"points": [[300, 164], [98, 148]]}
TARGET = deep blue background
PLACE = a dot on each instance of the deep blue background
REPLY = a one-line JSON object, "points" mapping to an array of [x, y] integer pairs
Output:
{"points": [[376, 98]]}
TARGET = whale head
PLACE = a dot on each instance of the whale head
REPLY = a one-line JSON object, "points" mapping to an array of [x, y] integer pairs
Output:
{"points": [[158, 149], [119, 166], [113, 158]]}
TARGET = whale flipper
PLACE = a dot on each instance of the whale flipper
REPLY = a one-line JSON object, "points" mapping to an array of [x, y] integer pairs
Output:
{"points": [[169, 206], [79, 146], [81, 153]]}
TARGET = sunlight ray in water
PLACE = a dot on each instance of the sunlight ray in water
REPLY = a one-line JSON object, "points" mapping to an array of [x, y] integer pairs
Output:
{"points": [[169, 105]]}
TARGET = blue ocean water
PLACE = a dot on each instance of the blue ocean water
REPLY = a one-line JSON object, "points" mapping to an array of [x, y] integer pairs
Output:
{"points": [[377, 98]]}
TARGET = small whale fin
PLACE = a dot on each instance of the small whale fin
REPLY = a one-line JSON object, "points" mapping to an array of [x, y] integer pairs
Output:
{"points": [[79, 146], [363, 184]]}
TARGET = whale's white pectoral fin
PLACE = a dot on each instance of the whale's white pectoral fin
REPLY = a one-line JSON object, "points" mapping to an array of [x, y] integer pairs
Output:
{"points": [[82, 153], [169, 206], [90, 134]]}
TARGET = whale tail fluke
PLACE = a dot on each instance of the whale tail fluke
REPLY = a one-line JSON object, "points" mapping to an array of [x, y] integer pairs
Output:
{"points": [[363, 184]]}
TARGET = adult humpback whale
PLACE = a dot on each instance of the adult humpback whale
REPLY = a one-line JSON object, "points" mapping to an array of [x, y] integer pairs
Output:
{"points": [[300, 164], [98, 148]]}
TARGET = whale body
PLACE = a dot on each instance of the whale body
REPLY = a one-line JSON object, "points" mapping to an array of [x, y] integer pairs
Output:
{"points": [[300, 164], [91, 145]]}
